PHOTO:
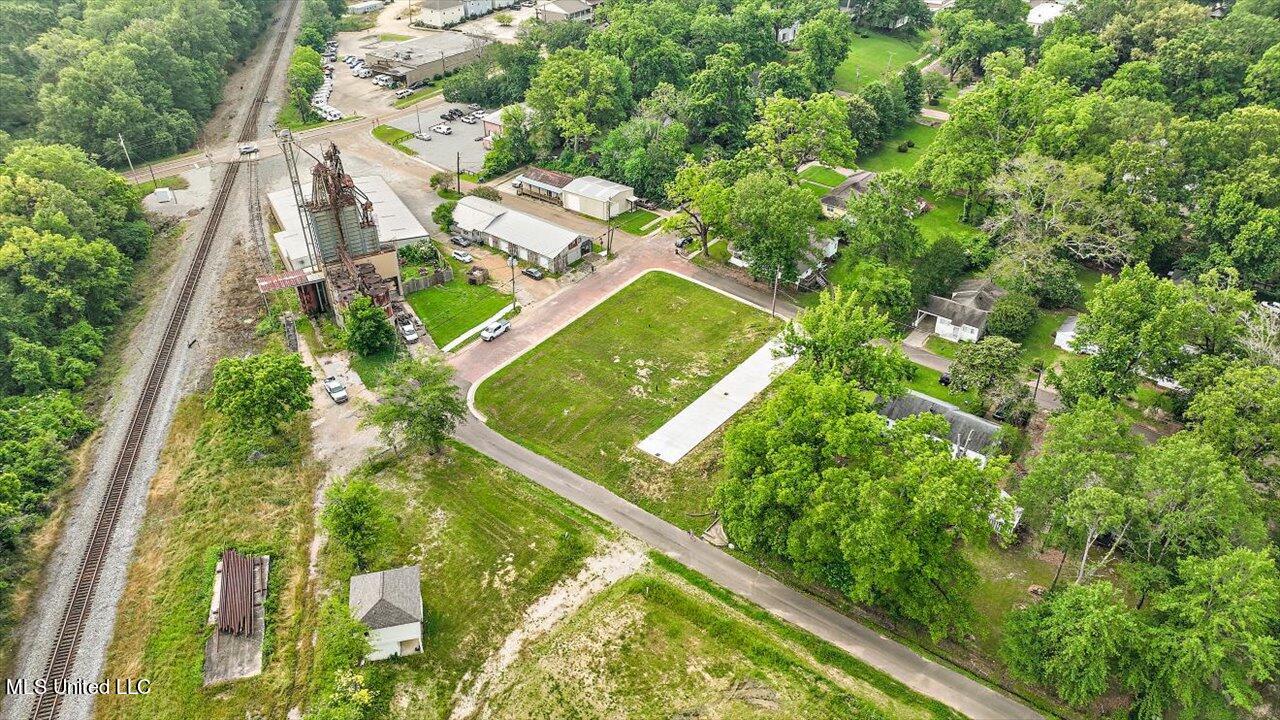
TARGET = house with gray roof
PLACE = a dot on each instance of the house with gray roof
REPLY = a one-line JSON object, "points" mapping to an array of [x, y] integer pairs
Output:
{"points": [[836, 202], [523, 236], [565, 10], [389, 603], [963, 316]]}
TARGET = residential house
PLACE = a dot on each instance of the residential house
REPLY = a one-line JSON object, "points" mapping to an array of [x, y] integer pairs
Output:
{"points": [[963, 316], [389, 603], [971, 436], [836, 202], [1044, 13], [542, 184], [809, 265], [528, 238], [787, 35], [597, 197], [563, 10]]}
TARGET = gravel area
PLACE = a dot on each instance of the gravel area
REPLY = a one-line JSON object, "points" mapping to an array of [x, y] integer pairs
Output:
{"points": [[206, 327]]}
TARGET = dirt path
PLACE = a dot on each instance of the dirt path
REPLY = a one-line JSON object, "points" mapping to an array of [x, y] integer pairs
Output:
{"points": [[619, 560]]}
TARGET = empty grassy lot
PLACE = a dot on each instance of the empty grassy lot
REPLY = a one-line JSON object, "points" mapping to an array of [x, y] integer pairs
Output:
{"points": [[879, 56], [489, 543], [886, 156], [200, 503], [394, 137], [586, 395], [635, 221], [451, 309], [176, 182], [663, 645]]}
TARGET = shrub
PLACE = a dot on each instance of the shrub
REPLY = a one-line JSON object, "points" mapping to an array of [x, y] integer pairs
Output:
{"points": [[443, 215], [486, 192], [1013, 316], [368, 332], [902, 147]]}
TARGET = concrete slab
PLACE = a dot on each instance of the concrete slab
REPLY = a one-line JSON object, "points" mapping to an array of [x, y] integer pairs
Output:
{"points": [[230, 657], [693, 424]]}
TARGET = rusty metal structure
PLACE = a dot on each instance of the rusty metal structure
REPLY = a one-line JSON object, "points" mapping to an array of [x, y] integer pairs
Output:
{"points": [[237, 586]]}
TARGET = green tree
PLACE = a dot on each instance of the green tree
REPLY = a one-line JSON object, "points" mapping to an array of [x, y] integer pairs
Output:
{"points": [[770, 221], [843, 334], [934, 85], [357, 517], [1240, 415], [368, 331], [644, 154], [792, 132], [1013, 316], [703, 200], [259, 392], [720, 97], [983, 365], [442, 215], [824, 42], [1262, 84], [881, 223], [1213, 636], [1074, 641], [419, 403], [579, 93]]}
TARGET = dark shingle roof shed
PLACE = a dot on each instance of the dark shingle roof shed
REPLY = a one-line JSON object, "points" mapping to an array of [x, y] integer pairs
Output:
{"points": [[387, 598]]}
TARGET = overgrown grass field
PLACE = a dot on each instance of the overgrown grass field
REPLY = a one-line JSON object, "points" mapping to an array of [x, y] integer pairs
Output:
{"points": [[588, 394], [201, 502]]}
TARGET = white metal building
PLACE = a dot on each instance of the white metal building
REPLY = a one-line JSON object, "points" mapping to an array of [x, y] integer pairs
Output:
{"points": [[526, 237], [365, 7], [389, 603], [597, 197], [442, 13]]}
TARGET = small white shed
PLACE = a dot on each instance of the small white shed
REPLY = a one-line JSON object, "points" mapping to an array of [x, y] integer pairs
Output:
{"points": [[597, 197], [389, 603]]}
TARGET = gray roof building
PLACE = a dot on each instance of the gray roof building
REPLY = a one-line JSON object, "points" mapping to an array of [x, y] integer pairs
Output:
{"points": [[969, 433], [387, 598], [970, 304], [837, 201]]}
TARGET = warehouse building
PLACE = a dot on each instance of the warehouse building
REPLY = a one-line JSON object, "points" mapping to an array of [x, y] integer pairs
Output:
{"points": [[412, 62], [526, 237], [597, 197]]}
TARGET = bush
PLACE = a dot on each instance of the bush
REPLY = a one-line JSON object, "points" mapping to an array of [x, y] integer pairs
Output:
{"points": [[903, 147], [487, 193], [1013, 316], [368, 332], [443, 215]]}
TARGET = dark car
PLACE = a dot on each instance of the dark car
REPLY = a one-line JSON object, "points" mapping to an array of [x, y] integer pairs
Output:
{"points": [[460, 241], [533, 272], [684, 242], [646, 203]]}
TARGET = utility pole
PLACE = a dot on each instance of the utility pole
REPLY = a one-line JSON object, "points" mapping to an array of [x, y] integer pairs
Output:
{"points": [[777, 278], [120, 136], [152, 170], [458, 171], [512, 262], [418, 113], [608, 213]]}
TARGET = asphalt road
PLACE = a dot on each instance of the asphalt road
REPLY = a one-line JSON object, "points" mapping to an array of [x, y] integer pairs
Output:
{"points": [[894, 659]]}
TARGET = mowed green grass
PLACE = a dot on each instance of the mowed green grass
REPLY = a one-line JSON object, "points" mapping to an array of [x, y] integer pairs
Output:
{"points": [[489, 542], [886, 155], [394, 136], [661, 647], [585, 396], [635, 221], [451, 309], [822, 175], [873, 58]]}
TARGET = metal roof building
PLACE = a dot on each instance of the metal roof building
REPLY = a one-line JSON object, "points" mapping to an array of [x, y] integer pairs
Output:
{"points": [[970, 434], [515, 233], [597, 197]]}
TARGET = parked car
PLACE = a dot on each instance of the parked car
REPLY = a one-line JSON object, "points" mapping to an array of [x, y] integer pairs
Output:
{"points": [[462, 256], [646, 204], [468, 119], [474, 106], [460, 241], [403, 93], [248, 149], [336, 389], [494, 329], [422, 136], [478, 114], [533, 272], [443, 129], [408, 332], [684, 242]]}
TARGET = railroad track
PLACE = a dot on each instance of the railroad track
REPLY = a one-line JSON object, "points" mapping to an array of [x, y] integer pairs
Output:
{"points": [[75, 614]]}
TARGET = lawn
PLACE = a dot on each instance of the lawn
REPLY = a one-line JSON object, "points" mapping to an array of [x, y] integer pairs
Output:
{"points": [[451, 309], [635, 221], [372, 368], [176, 182], [875, 57], [394, 136], [944, 218], [489, 543], [822, 175], [593, 390], [886, 156], [394, 37], [664, 647], [1003, 578], [416, 96], [942, 346], [201, 501], [926, 382]]}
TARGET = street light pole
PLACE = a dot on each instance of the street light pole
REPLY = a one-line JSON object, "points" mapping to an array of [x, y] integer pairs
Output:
{"points": [[512, 262]]}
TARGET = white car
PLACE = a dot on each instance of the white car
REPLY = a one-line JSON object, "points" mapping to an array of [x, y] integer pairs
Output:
{"points": [[336, 389], [478, 114], [248, 149], [443, 129], [403, 93], [462, 256], [410, 335], [422, 136], [494, 329], [468, 119]]}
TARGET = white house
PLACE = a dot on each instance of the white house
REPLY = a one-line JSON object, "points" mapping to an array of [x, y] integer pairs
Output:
{"points": [[389, 603], [787, 35], [963, 316], [563, 10], [476, 8], [524, 236], [597, 197], [441, 13]]}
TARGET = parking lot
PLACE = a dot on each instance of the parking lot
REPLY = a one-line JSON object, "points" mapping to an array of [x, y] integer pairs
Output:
{"points": [[461, 146]]}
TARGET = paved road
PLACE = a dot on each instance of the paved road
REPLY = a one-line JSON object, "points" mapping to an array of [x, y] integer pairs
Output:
{"points": [[894, 659]]}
